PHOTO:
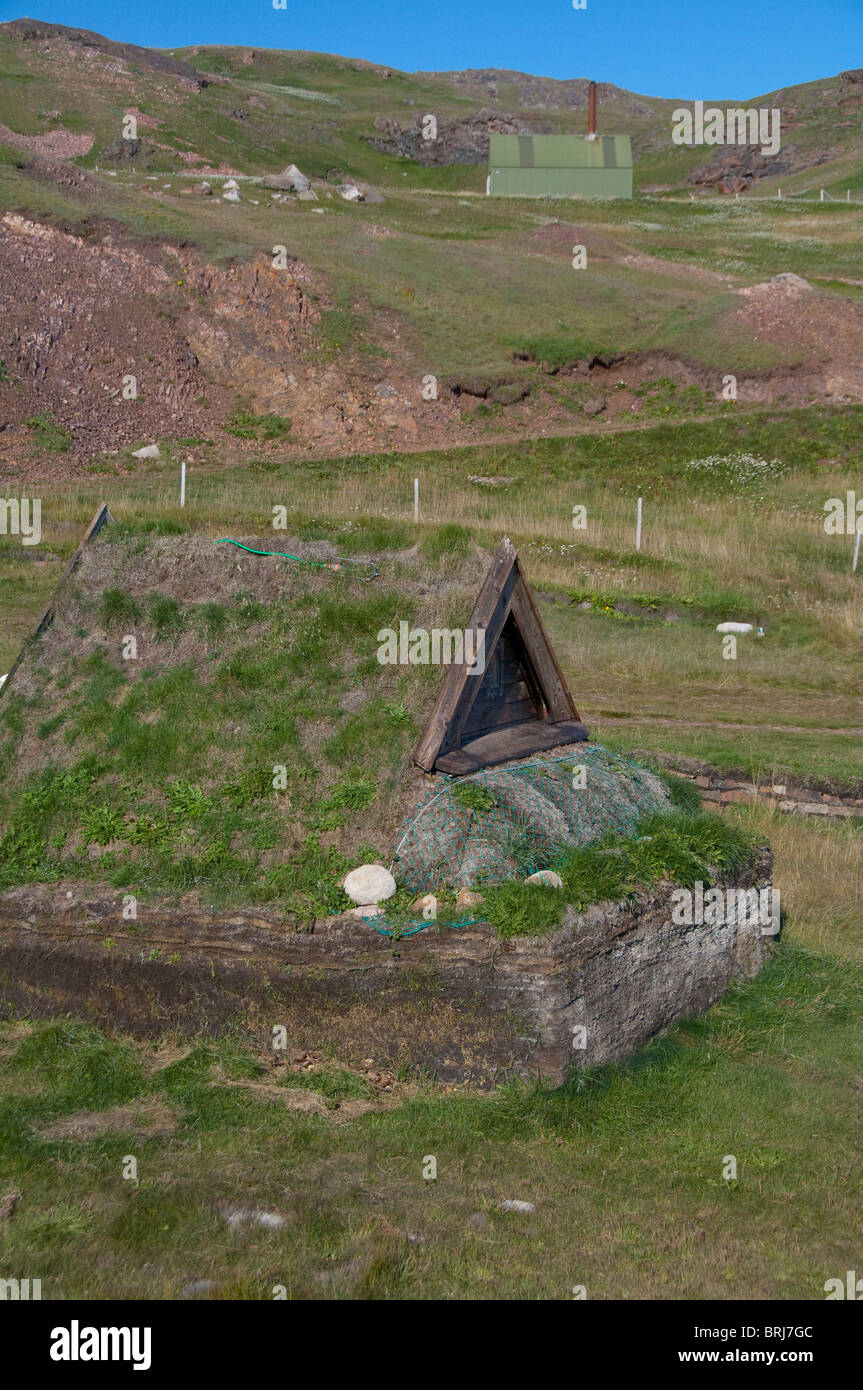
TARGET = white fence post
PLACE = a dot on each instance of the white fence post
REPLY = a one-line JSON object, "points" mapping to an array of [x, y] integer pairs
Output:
{"points": [[183, 483], [638, 525]]}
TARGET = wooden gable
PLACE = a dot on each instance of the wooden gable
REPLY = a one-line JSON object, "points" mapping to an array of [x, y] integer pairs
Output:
{"points": [[518, 703]]}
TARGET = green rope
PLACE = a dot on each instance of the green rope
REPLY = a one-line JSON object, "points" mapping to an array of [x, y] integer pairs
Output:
{"points": [[301, 560], [420, 926]]}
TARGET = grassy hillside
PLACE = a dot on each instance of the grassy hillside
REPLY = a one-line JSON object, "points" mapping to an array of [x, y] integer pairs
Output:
{"points": [[127, 764], [406, 278], [268, 107], [759, 554], [437, 280]]}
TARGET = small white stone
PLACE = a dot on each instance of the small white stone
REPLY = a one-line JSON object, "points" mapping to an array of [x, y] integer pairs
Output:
{"points": [[546, 876], [734, 627], [367, 911], [251, 1216], [467, 899], [370, 883], [149, 451], [512, 1205]]}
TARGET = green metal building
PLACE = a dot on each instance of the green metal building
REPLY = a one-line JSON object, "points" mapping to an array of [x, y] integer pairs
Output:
{"points": [[560, 166]]}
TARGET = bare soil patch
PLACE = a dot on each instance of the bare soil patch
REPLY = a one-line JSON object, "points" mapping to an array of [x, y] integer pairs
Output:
{"points": [[146, 1119]]}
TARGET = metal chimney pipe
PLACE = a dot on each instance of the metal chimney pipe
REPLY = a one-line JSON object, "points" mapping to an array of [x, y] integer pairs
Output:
{"points": [[591, 112]]}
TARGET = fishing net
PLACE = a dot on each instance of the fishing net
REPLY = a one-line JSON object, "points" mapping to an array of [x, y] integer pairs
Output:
{"points": [[507, 822]]}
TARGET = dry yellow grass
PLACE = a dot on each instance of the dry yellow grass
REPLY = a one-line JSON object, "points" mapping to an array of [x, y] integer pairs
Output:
{"points": [[819, 872]]}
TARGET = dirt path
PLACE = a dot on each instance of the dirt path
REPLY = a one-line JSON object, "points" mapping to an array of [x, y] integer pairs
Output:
{"points": [[614, 721]]}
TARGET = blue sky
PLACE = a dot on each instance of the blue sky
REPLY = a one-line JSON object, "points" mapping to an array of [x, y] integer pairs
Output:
{"points": [[671, 48]]}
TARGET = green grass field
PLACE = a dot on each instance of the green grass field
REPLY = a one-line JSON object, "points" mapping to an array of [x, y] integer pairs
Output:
{"points": [[771, 1075]]}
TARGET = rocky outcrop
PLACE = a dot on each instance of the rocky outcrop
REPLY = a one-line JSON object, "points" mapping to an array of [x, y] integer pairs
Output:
{"points": [[734, 167], [821, 797], [545, 93], [456, 142], [29, 30]]}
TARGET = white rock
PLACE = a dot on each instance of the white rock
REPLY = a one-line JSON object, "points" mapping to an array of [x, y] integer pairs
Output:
{"points": [[149, 451], [307, 195], [255, 1216], [232, 195], [231, 183], [350, 193], [370, 883], [370, 910], [734, 627], [788, 280], [546, 876], [299, 179], [512, 1205]]}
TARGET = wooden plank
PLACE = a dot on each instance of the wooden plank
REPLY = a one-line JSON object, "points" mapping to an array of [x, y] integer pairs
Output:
{"points": [[102, 515], [457, 678], [540, 651], [516, 643], [493, 626], [499, 715], [510, 744]]}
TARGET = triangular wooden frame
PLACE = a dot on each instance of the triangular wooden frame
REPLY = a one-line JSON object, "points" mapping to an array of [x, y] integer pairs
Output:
{"points": [[102, 516], [505, 603]]}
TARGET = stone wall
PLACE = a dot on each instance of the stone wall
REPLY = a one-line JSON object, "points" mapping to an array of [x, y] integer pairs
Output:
{"points": [[460, 1004], [820, 797]]}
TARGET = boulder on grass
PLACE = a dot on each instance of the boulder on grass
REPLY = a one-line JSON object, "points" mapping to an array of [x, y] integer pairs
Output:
{"points": [[547, 878], [300, 181], [369, 884], [290, 180]]}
